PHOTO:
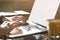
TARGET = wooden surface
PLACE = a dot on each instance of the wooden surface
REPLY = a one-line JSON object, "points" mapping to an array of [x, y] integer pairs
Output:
{"points": [[13, 5], [13, 0]]}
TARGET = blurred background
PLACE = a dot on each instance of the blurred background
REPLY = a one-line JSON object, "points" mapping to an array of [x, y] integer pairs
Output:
{"points": [[13, 5]]}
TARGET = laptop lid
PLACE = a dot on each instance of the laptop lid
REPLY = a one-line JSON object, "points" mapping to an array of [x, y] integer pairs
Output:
{"points": [[43, 10]]}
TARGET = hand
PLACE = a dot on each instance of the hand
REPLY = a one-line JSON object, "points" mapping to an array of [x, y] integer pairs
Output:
{"points": [[20, 18], [16, 24], [17, 18]]}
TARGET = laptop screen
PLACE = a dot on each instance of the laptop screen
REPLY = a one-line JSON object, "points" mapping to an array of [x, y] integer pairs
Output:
{"points": [[43, 10]]}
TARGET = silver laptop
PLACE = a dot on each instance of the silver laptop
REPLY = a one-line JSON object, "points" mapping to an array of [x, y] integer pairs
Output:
{"points": [[42, 11]]}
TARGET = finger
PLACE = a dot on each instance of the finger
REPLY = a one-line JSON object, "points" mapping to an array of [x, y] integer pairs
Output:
{"points": [[16, 24], [15, 18]]}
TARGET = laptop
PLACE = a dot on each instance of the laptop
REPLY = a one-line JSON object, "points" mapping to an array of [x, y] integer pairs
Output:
{"points": [[42, 11]]}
